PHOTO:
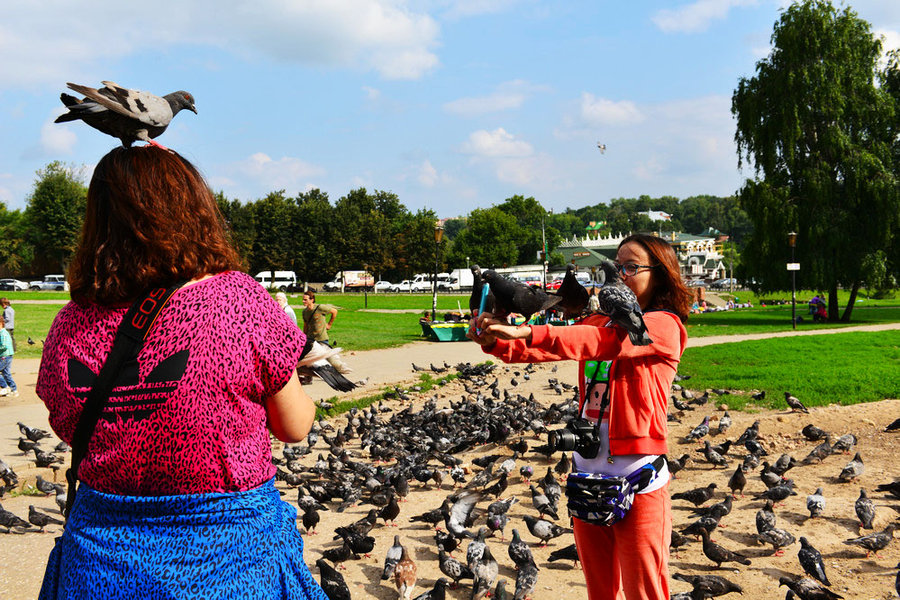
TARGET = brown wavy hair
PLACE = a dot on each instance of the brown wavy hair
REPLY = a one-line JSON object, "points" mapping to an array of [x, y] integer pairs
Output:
{"points": [[669, 291], [151, 220]]}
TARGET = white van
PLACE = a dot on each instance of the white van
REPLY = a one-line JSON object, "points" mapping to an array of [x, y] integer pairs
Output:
{"points": [[422, 282], [284, 280]]}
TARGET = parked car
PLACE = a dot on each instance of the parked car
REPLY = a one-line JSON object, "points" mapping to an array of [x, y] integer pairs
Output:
{"points": [[50, 282], [403, 286], [532, 280], [284, 281], [695, 283], [554, 285], [722, 284], [12, 285], [383, 286]]}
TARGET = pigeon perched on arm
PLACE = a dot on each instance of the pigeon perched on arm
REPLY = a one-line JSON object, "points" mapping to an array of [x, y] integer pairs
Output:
{"points": [[129, 115], [619, 303], [516, 297], [573, 296]]}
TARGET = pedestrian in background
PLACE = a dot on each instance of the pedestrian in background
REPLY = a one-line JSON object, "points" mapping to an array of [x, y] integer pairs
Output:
{"points": [[7, 385], [9, 315], [281, 299], [317, 320]]}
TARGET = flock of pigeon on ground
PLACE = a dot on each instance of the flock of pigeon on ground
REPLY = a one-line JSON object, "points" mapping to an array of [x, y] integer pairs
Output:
{"points": [[379, 456]]}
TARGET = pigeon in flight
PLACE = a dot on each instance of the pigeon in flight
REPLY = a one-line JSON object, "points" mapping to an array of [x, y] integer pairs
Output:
{"points": [[314, 361], [619, 303], [129, 115]]}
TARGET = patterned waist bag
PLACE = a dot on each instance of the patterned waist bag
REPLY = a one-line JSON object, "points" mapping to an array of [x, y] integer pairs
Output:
{"points": [[604, 499]]}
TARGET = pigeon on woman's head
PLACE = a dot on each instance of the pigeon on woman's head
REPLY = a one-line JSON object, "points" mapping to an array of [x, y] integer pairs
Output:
{"points": [[129, 115]]}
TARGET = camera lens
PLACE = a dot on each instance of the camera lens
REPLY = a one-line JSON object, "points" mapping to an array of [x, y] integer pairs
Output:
{"points": [[562, 440]]}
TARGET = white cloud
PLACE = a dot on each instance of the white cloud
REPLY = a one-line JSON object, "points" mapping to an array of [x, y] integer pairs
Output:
{"points": [[372, 94], [52, 41], [697, 16], [890, 40], [600, 111], [287, 173], [470, 8], [496, 102], [55, 138], [428, 175], [496, 144]]}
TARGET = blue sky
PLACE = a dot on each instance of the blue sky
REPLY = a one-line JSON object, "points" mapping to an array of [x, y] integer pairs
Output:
{"points": [[451, 104]]}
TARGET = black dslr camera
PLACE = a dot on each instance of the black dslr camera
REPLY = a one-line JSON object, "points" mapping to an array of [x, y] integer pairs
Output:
{"points": [[580, 435]]}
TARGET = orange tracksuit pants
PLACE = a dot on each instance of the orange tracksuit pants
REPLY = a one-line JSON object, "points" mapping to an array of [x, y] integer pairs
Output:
{"points": [[629, 559]]}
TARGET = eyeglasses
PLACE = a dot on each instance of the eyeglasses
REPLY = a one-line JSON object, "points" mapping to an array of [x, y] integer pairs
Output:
{"points": [[632, 269]]}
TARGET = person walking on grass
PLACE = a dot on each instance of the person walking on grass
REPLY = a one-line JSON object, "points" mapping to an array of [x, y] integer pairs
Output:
{"points": [[623, 390], [7, 350], [9, 315]]}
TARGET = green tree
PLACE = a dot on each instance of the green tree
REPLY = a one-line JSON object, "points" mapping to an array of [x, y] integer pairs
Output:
{"points": [[241, 224], [313, 230], [55, 213], [15, 251], [273, 244], [817, 130], [491, 238]]}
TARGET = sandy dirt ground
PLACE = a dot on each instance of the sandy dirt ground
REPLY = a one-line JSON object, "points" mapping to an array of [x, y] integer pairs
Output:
{"points": [[852, 574]]}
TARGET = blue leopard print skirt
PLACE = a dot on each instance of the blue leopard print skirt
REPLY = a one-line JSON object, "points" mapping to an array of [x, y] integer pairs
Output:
{"points": [[216, 546]]}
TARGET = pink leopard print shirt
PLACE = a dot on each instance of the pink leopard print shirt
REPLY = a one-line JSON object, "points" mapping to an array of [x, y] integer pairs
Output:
{"points": [[188, 416]]}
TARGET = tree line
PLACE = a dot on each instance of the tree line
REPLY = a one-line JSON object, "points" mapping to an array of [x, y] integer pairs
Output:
{"points": [[315, 237]]}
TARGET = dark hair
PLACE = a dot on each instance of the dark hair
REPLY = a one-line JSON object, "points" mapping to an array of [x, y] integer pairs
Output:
{"points": [[150, 220], [311, 294], [669, 291]]}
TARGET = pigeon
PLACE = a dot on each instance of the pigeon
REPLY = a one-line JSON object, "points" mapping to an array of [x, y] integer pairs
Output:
{"points": [[794, 403], [475, 298], [452, 568], [332, 582], [310, 519], [719, 554], [476, 548], [518, 550], [129, 115], [808, 589], [392, 558], [39, 519], [765, 517], [446, 541], [717, 511], [811, 561], [526, 580], [573, 296], [485, 570], [713, 457], [779, 538], [9, 520], [893, 425], [438, 592], [544, 530], [724, 423], [812, 433], [844, 443], [677, 464], [819, 453], [892, 488], [542, 504], [696, 496], [459, 512], [338, 555], [570, 552], [512, 296], [865, 510], [777, 493], [32, 433], [759, 395], [853, 469], [619, 303], [738, 481], [314, 362], [405, 575], [815, 504], [707, 523], [751, 433], [708, 586], [874, 541]]}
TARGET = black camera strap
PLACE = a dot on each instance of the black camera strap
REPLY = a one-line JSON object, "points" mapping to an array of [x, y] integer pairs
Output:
{"points": [[128, 341]]}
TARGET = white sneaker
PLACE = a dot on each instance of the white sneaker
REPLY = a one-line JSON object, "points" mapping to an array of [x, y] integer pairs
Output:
{"points": [[14, 393], [4, 391]]}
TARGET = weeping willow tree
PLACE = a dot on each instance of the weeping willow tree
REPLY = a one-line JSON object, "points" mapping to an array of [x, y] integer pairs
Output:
{"points": [[820, 134]]}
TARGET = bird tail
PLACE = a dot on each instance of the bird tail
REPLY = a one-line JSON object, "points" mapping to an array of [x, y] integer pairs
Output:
{"points": [[640, 338], [329, 375]]}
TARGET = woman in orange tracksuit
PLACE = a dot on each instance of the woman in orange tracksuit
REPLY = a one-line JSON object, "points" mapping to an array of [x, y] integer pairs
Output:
{"points": [[631, 556]]}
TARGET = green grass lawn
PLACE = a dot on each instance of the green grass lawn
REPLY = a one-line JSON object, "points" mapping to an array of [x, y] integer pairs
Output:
{"points": [[778, 318], [845, 368]]}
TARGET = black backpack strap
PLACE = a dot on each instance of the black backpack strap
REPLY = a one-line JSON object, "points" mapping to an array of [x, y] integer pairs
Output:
{"points": [[128, 341]]}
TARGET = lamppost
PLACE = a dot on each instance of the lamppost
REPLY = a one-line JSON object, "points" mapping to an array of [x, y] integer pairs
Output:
{"points": [[366, 285], [438, 234], [793, 267]]}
